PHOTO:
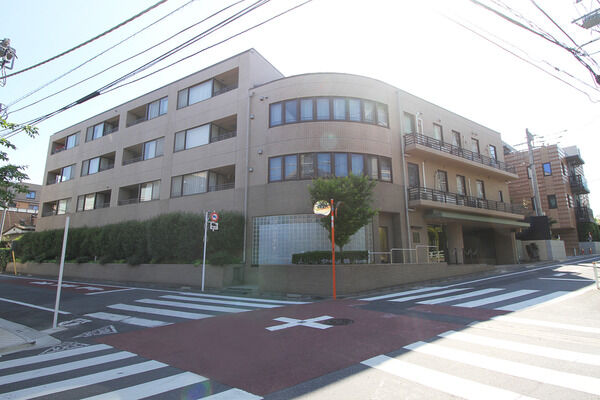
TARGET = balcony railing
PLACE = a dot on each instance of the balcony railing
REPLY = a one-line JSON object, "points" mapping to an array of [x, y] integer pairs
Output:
{"points": [[584, 214], [419, 193], [423, 140], [578, 184], [224, 89], [224, 186], [223, 136], [129, 201]]}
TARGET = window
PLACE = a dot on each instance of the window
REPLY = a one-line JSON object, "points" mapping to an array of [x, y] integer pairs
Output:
{"points": [[307, 166], [34, 207], [322, 108], [275, 112], [67, 173], [413, 175], [323, 165], [533, 203], [95, 165], [409, 123], [195, 94], [456, 139], [93, 201], [149, 191], [291, 111], [438, 133], [341, 164], [500, 196], [191, 138], [416, 237], [441, 180], [339, 109], [358, 164], [480, 190], [386, 169], [461, 188], [157, 108], [66, 143], [552, 201], [153, 148], [189, 184], [547, 169], [306, 110], [569, 201], [30, 194], [275, 169], [475, 145], [291, 167], [373, 167], [62, 206], [493, 154], [327, 109]]}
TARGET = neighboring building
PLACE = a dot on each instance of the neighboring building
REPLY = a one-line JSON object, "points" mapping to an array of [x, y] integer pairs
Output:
{"points": [[562, 185], [240, 136], [21, 216]]}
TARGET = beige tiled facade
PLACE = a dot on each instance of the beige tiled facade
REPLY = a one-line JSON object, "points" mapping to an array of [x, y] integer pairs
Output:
{"points": [[269, 135]]}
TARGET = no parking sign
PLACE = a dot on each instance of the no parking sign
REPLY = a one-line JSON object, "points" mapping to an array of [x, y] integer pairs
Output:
{"points": [[214, 217]]}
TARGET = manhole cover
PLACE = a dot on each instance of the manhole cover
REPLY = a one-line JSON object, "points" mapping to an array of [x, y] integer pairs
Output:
{"points": [[338, 321]]}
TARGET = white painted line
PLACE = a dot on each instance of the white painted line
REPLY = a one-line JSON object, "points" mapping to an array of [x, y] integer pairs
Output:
{"points": [[568, 279], [558, 354], [233, 394], [241, 298], [75, 383], [387, 296], [531, 302], [292, 322], [126, 319], [159, 311], [52, 356], [56, 369], [420, 296], [441, 381], [152, 388], [496, 299], [559, 274], [548, 376], [547, 324], [32, 306], [460, 296], [232, 303], [192, 306], [110, 291]]}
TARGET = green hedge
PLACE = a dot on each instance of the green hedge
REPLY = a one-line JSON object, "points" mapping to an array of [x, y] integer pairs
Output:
{"points": [[169, 238], [324, 257]]}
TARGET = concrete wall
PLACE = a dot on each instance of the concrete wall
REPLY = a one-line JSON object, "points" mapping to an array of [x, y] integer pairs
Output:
{"points": [[216, 277], [586, 246], [547, 249], [317, 279]]}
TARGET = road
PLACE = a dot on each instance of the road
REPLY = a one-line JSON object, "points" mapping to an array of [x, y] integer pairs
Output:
{"points": [[530, 333]]}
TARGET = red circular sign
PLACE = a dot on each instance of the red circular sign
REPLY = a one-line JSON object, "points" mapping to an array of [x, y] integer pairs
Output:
{"points": [[214, 217]]}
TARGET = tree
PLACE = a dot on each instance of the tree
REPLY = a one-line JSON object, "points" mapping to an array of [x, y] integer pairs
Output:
{"points": [[12, 176], [354, 194]]}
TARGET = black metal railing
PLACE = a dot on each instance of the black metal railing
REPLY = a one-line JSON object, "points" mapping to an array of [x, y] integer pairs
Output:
{"points": [[129, 201], [432, 143], [584, 214], [578, 184], [419, 193], [223, 136], [224, 89], [223, 186]]}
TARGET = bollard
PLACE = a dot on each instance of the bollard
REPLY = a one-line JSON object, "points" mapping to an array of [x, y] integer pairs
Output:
{"points": [[582, 252], [596, 275], [590, 250]]}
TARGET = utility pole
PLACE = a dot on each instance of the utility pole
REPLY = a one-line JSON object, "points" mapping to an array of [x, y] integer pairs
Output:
{"points": [[537, 203]]}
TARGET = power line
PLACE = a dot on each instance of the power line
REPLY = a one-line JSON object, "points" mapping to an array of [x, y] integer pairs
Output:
{"points": [[131, 57], [88, 41], [96, 93], [93, 58]]}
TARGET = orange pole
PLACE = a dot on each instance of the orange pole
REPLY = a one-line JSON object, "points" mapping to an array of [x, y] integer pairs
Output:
{"points": [[333, 247]]}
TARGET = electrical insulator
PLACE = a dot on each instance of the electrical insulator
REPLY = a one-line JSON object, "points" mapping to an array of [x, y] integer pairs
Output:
{"points": [[7, 54]]}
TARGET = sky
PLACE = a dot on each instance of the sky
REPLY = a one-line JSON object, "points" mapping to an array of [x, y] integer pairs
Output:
{"points": [[416, 46]]}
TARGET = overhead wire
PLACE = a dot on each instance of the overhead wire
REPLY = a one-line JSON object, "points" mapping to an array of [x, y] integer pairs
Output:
{"points": [[14, 102], [89, 40], [96, 93], [131, 57]]}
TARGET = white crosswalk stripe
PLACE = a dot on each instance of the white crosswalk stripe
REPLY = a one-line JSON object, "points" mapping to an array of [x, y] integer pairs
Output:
{"points": [[459, 296], [483, 363], [169, 309], [420, 296], [89, 372], [496, 299]]}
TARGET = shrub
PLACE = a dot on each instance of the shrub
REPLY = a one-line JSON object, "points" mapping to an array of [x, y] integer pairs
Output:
{"points": [[324, 257], [4, 258]]}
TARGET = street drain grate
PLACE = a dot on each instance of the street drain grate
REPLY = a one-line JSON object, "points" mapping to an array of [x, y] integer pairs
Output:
{"points": [[338, 321]]}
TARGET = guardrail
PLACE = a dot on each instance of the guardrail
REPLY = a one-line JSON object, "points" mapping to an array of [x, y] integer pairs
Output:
{"points": [[432, 143], [419, 193]]}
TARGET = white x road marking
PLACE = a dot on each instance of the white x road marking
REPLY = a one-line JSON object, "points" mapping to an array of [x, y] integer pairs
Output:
{"points": [[292, 322]]}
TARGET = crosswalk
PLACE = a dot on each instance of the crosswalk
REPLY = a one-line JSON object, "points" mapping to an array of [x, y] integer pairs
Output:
{"points": [[103, 372], [173, 308], [467, 297], [494, 362]]}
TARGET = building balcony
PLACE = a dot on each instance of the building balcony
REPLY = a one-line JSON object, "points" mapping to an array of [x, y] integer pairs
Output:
{"points": [[584, 214], [578, 184], [424, 197], [430, 147]]}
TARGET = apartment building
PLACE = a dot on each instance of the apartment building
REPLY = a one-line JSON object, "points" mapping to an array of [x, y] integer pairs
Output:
{"points": [[562, 185], [21, 216], [240, 136]]}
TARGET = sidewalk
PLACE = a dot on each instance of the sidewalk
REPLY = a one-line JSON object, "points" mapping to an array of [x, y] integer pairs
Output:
{"points": [[15, 337]]}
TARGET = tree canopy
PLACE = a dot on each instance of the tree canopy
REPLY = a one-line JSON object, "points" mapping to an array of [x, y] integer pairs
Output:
{"points": [[354, 196], [12, 176]]}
